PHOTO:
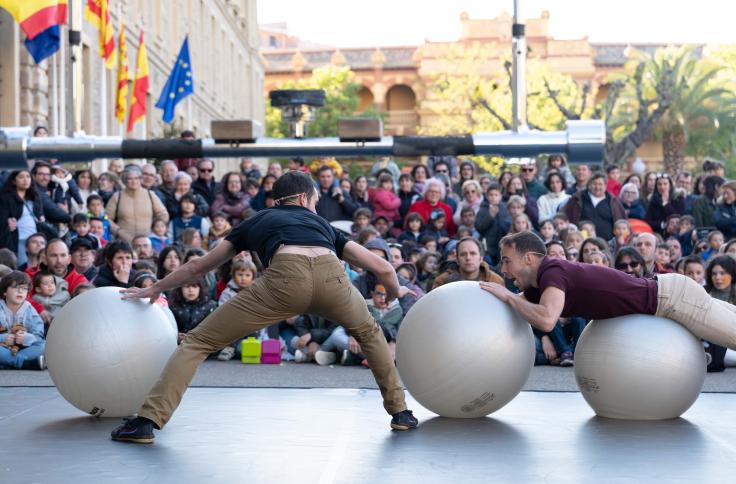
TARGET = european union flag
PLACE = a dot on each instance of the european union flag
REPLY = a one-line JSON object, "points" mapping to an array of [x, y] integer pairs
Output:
{"points": [[44, 44], [179, 85]]}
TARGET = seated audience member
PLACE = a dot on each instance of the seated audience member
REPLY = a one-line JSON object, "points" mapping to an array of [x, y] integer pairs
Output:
{"points": [[35, 245], [694, 268], [414, 228], [436, 228], [242, 275], [143, 248], [96, 209], [22, 342], [382, 226], [190, 304], [630, 261], [83, 255], [82, 288], [168, 259], [662, 257], [470, 266], [467, 221], [311, 333], [191, 238], [687, 234], [80, 228], [547, 231], [387, 315], [187, 218], [427, 266], [117, 270], [97, 229], [219, 229], [159, 235], [45, 293], [408, 270], [720, 283], [715, 241]]}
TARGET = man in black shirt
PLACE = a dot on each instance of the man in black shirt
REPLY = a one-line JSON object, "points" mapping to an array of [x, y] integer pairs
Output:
{"points": [[303, 276]]}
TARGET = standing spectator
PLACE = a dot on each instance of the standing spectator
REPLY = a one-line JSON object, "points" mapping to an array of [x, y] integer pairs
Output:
{"points": [[420, 175], [648, 186], [117, 270], [21, 328], [63, 188], [206, 184], [613, 173], [582, 177], [386, 163], [275, 169], [53, 212], [360, 194], [183, 186], [704, 208], [132, 210], [467, 173], [250, 170], [725, 215], [534, 187], [596, 205], [233, 201], [472, 198], [407, 195], [107, 186], [434, 192], [492, 221], [517, 186], [632, 203], [143, 249], [557, 164], [168, 180], [663, 203], [385, 202], [20, 210], [86, 184], [446, 165], [334, 203], [684, 182], [35, 245], [149, 179], [183, 163], [556, 196], [116, 166]]}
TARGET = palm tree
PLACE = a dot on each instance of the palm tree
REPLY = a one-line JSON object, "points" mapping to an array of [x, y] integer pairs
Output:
{"points": [[698, 103]]}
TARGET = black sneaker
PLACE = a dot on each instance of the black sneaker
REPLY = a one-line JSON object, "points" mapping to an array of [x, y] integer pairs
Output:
{"points": [[138, 430], [404, 420]]}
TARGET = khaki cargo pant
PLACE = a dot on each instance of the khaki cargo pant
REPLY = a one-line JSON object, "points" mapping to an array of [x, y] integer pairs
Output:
{"points": [[293, 284], [685, 301]]}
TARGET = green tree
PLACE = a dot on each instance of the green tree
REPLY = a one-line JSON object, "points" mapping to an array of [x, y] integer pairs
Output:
{"points": [[341, 100], [472, 94]]}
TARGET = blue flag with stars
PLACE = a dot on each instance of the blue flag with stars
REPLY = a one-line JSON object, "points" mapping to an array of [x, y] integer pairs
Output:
{"points": [[179, 85]]}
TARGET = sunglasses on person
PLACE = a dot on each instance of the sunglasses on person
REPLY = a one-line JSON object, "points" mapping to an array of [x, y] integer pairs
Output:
{"points": [[626, 265], [527, 169], [441, 171], [206, 170]]}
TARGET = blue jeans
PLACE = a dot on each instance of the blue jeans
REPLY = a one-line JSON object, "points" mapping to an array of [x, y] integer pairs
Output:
{"points": [[337, 341], [573, 329], [26, 354]]}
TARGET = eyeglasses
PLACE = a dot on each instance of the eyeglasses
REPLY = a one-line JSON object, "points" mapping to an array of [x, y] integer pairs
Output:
{"points": [[441, 171], [205, 170], [527, 169], [626, 265]]}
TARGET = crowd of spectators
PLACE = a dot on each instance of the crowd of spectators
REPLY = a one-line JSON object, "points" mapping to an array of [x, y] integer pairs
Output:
{"points": [[63, 233]]}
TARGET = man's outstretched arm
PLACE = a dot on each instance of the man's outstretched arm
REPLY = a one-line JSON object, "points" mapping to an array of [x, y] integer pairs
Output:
{"points": [[191, 271], [359, 256], [542, 316]]}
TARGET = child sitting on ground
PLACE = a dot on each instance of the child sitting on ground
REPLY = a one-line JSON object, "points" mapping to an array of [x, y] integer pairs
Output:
{"points": [[219, 229], [158, 236], [242, 275], [387, 315], [22, 342], [190, 304], [436, 227], [45, 293]]}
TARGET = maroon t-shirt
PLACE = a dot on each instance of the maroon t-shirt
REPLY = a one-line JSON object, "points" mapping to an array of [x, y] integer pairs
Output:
{"points": [[595, 292]]}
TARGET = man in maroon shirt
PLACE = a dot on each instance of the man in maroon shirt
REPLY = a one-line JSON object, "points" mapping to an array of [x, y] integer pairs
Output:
{"points": [[554, 288]]}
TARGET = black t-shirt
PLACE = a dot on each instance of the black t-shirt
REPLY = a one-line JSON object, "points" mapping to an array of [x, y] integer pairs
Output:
{"points": [[594, 292], [267, 230]]}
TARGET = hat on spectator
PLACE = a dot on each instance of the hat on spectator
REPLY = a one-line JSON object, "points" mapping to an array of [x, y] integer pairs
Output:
{"points": [[379, 244], [450, 246], [379, 289], [436, 214], [80, 242]]}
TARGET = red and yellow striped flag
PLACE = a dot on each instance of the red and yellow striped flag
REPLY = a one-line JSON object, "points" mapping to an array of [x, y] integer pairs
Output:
{"points": [[121, 105], [35, 16], [98, 15], [140, 88]]}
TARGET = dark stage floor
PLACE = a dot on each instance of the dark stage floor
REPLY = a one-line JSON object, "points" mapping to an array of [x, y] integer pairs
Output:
{"points": [[342, 435]]}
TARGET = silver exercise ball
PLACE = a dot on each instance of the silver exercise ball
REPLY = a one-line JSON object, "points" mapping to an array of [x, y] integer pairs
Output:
{"points": [[639, 367], [462, 353], [104, 354]]}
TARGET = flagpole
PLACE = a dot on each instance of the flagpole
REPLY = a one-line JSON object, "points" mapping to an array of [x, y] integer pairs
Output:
{"points": [[189, 112], [55, 91], [122, 26], [103, 98], [61, 100], [74, 124]]}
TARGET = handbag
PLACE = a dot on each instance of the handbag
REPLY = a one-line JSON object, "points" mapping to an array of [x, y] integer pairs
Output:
{"points": [[48, 230]]}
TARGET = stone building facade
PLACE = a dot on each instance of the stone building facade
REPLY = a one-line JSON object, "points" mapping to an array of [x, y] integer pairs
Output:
{"points": [[394, 79], [224, 48]]}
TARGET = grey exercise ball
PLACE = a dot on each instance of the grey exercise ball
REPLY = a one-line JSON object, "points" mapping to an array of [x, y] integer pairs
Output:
{"points": [[462, 353], [104, 354], [639, 367]]}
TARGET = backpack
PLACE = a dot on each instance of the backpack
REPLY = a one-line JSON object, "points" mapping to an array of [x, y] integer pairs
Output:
{"points": [[250, 351], [271, 352]]}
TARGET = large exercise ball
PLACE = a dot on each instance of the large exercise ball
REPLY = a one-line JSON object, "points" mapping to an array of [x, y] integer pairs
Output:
{"points": [[104, 354], [639, 367], [462, 353]]}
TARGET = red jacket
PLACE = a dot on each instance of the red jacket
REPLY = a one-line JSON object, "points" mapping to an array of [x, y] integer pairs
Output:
{"points": [[613, 187], [424, 209], [72, 278], [385, 203]]}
